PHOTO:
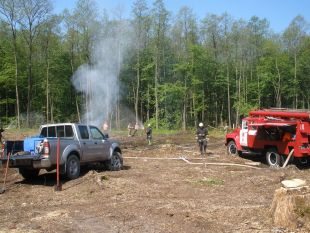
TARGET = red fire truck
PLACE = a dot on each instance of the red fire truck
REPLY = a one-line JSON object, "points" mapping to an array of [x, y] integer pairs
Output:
{"points": [[274, 133]]}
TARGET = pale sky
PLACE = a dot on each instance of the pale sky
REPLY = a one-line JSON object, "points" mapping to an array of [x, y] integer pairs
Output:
{"points": [[278, 12]]}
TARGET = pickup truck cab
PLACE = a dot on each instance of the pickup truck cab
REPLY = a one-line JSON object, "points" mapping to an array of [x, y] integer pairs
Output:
{"points": [[79, 144]]}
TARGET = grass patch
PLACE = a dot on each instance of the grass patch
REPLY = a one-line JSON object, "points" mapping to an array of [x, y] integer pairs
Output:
{"points": [[208, 181], [104, 177]]}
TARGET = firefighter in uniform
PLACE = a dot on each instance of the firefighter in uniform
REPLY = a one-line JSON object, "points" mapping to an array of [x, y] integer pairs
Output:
{"points": [[201, 136], [148, 132]]}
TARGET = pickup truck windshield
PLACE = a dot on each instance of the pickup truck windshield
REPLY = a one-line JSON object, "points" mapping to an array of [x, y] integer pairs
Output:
{"points": [[95, 133]]}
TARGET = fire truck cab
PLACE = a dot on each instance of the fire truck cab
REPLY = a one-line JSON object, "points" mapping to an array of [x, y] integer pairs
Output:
{"points": [[273, 133]]}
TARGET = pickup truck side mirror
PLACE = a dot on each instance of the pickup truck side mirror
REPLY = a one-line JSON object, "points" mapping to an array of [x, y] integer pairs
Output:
{"points": [[106, 136]]}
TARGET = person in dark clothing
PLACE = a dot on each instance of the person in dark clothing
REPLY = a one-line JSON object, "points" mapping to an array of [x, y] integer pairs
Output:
{"points": [[1, 131], [149, 134], [201, 136]]}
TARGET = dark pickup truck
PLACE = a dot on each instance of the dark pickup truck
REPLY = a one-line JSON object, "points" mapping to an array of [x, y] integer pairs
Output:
{"points": [[79, 144]]}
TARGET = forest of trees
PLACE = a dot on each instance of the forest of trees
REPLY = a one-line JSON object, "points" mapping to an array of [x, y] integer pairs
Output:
{"points": [[176, 71]]}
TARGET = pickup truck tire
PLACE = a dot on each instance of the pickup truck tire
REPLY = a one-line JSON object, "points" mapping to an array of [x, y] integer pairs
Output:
{"points": [[232, 149], [116, 162], [73, 167], [28, 173], [273, 159]]}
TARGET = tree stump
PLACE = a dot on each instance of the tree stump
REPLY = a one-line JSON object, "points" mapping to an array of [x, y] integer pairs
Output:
{"points": [[290, 207]]}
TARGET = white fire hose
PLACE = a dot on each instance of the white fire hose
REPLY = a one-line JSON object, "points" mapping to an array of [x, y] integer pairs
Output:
{"points": [[188, 162]]}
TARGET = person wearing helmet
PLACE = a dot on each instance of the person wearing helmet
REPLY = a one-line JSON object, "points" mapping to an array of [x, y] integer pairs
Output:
{"points": [[201, 136], [149, 134]]}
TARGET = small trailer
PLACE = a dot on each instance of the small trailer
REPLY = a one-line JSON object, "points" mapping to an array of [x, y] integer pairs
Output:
{"points": [[275, 133]]}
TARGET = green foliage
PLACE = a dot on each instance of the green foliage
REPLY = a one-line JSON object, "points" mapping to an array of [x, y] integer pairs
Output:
{"points": [[201, 68], [208, 181], [244, 107]]}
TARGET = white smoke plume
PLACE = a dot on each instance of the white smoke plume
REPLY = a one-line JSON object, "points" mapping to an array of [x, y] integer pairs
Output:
{"points": [[99, 82]]}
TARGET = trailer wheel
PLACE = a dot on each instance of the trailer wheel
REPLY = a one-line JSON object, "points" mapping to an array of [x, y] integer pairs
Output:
{"points": [[72, 167], [273, 159], [232, 148], [28, 173], [116, 162]]}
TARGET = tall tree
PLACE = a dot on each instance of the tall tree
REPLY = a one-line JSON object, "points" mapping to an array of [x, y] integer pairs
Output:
{"points": [[47, 34], [10, 9], [140, 12], [160, 23], [34, 13], [184, 38], [293, 37], [85, 18]]}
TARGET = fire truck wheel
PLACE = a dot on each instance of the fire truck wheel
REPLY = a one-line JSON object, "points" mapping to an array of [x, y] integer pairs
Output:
{"points": [[73, 167], [28, 174], [232, 148], [273, 159]]}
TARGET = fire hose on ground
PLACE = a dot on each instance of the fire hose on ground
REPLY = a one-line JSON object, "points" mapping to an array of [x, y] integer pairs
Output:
{"points": [[195, 163]]}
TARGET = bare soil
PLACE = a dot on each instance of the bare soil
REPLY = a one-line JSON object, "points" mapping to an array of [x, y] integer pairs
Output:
{"points": [[155, 192]]}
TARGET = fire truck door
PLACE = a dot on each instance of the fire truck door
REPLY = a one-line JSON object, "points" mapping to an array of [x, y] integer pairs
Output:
{"points": [[244, 134]]}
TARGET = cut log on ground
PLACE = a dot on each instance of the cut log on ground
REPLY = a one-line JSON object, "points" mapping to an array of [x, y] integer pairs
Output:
{"points": [[291, 208]]}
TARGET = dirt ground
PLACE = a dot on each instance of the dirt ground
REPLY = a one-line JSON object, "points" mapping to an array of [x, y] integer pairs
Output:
{"points": [[156, 191]]}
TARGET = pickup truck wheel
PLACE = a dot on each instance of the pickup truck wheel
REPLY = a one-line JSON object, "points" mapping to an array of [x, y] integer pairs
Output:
{"points": [[73, 167], [232, 148], [28, 174], [116, 162], [273, 159]]}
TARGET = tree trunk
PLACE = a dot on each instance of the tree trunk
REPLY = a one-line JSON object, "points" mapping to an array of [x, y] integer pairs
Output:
{"points": [[29, 95], [148, 104], [239, 96], [52, 111], [16, 86], [290, 208], [194, 105], [203, 108], [137, 88], [228, 95], [277, 87], [184, 107], [295, 79], [47, 90], [184, 116], [156, 93], [258, 92]]}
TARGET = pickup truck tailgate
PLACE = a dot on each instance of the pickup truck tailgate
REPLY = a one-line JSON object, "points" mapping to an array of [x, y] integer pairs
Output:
{"points": [[23, 160]]}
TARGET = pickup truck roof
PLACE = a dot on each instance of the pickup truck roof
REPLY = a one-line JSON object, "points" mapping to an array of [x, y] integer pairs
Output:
{"points": [[65, 130]]}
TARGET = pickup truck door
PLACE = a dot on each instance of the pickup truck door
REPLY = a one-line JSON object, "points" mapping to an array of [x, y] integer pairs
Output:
{"points": [[88, 147], [244, 133], [102, 145]]}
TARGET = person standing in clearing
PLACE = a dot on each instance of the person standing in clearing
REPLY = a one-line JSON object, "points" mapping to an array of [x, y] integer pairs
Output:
{"points": [[130, 128], [201, 136], [135, 129], [1, 131], [105, 128], [149, 134]]}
